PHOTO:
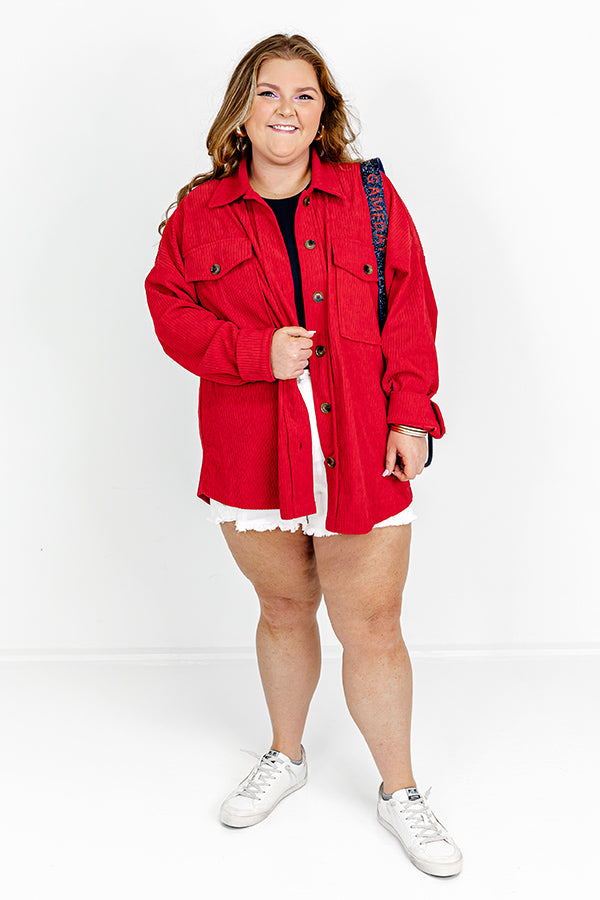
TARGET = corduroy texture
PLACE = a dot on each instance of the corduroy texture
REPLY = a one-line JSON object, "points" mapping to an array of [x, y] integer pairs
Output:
{"points": [[220, 287]]}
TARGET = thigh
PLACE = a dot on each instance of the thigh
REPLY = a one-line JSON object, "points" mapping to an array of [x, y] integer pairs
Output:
{"points": [[363, 575], [280, 564]]}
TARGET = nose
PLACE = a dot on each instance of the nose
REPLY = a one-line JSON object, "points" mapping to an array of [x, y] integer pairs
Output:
{"points": [[285, 107]]}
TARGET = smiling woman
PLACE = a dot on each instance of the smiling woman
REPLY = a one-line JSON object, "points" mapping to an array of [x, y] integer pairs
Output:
{"points": [[266, 285], [284, 122], [227, 141]]}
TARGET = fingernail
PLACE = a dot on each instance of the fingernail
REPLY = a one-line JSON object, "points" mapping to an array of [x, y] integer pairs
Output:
{"points": [[386, 472]]}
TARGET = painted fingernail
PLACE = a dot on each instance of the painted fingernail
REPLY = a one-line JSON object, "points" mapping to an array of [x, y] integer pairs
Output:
{"points": [[386, 472]]}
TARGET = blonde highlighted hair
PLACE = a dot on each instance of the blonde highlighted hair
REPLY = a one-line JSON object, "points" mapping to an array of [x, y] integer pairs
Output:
{"points": [[227, 148]]}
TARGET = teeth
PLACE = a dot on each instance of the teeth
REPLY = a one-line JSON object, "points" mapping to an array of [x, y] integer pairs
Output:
{"points": [[284, 127]]}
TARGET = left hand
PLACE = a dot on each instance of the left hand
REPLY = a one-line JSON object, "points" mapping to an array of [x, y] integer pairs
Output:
{"points": [[405, 455]]}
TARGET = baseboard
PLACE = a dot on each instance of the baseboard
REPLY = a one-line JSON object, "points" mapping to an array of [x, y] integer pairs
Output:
{"points": [[203, 655]]}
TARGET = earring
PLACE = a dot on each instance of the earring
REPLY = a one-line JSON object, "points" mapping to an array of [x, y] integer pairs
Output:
{"points": [[239, 131], [319, 134]]}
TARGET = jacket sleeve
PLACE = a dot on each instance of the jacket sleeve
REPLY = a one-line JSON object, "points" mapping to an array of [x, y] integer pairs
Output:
{"points": [[213, 348], [410, 376]]}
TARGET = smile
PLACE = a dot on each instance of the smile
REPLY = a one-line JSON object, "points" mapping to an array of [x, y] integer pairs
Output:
{"points": [[288, 128]]}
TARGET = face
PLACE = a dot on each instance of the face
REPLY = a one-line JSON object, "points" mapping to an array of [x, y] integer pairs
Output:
{"points": [[286, 112]]}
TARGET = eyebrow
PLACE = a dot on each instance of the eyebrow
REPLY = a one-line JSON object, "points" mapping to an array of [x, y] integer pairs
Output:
{"points": [[277, 88]]}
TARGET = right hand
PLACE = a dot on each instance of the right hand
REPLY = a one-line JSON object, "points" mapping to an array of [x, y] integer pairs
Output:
{"points": [[290, 348]]}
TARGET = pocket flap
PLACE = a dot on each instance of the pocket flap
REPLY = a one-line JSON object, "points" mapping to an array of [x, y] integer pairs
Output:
{"points": [[209, 262], [357, 258]]}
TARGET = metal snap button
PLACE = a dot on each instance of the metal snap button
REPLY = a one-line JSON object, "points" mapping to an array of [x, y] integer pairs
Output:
{"points": [[215, 269], [330, 462], [326, 407], [319, 351], [368, 269], [318, 296], [310, 244], [306, 201]]}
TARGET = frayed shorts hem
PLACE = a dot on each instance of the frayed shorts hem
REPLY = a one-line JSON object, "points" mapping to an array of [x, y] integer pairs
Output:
{"points": [[220, 513]]}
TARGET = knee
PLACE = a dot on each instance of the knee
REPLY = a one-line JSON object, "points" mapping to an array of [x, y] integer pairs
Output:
{"points": [[290, 613], [378, 632]]}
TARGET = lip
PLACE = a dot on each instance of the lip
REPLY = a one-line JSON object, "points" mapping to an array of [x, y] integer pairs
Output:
{"points": [[283, 129]]}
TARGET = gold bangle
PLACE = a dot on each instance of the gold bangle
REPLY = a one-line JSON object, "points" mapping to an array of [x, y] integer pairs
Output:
{"points": [[410, 430]]}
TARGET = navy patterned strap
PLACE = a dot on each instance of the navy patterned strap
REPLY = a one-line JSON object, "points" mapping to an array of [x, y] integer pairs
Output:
{"points": [[370, 171]]}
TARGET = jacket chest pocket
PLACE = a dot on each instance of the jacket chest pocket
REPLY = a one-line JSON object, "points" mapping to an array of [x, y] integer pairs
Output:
{"points": [[355, 269], [225, 279]]}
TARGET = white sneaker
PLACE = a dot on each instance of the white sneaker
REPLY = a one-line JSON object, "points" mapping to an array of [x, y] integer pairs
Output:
{"points": [[272, 778], [426, 841]]}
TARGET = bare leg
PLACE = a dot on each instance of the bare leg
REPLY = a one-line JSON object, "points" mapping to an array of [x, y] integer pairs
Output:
{"points": [[281, 566], [363, 577]]}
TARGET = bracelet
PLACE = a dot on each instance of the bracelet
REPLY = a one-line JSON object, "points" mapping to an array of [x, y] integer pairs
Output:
{"points": [[410, 430]]}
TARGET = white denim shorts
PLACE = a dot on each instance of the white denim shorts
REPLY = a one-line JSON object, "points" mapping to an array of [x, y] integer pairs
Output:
{"points": [[268, 519]]}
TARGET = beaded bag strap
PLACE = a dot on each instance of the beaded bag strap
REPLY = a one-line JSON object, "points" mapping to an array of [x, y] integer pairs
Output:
{"points": [[370, 171]]}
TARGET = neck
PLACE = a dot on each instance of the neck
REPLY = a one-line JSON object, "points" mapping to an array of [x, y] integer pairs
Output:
{"points": [[275, 182]]}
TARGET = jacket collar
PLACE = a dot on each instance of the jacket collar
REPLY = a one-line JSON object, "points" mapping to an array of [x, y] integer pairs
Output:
{"points": [[324, 177]]}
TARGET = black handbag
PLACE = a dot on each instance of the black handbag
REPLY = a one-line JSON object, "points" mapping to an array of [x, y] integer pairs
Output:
{"points": [[370, 171]]}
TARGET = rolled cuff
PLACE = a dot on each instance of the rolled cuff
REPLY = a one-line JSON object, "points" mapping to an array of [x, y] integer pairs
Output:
{"points": [[409, 408], [253, 354]]}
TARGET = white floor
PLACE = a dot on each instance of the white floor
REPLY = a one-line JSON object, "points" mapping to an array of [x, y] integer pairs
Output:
{"points": [[113, 772]]}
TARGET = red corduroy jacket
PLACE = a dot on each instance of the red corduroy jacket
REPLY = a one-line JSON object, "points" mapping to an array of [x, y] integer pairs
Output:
{"points": [[222, 285]]}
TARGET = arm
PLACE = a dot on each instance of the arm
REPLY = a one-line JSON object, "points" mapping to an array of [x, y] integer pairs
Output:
{"points": [[194, 337], [410, 377]]}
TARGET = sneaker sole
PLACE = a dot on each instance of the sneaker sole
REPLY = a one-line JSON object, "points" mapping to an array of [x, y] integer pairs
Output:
{"points": [[239, 820], [451, 867]]}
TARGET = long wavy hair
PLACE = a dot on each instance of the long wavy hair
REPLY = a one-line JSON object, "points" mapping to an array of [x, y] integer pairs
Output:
{"points": [[226, 148]]}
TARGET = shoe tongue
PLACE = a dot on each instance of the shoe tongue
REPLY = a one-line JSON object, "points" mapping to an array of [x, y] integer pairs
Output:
{"points": [[272, 753], [409, 793]]}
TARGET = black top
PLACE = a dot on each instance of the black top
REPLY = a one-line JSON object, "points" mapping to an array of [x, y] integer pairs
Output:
{"points": [[285, 211]]}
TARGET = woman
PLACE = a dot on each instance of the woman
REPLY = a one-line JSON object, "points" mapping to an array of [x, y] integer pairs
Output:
{"points": [[312, 421]]}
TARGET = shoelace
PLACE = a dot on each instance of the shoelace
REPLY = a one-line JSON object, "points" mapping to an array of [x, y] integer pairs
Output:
{"points": [[421, 818], [261, 775]]}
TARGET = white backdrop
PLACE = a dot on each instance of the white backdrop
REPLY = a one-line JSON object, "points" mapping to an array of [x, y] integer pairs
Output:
{"points": [[485, 116]]}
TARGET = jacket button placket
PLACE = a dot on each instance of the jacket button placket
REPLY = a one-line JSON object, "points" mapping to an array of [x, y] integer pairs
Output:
{"points": [[314, 278]]}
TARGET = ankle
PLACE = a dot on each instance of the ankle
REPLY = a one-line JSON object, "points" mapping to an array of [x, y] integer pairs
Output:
{"points": [[292, 751], [393, 785]]}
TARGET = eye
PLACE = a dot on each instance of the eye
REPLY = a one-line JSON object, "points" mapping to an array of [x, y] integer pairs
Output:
{"points": [[304, 97], [267, 93]]}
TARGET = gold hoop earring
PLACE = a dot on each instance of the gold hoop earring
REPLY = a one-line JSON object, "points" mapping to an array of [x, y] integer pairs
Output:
{"points": [[319, 134], [239, 132]]}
